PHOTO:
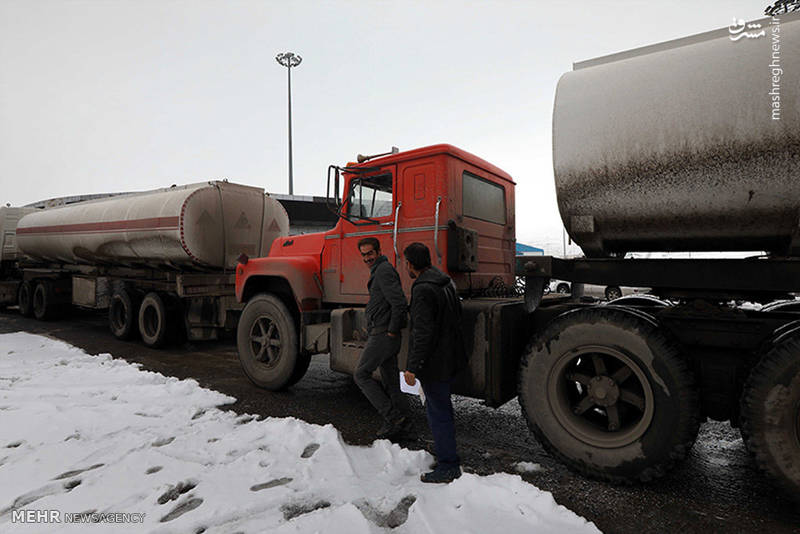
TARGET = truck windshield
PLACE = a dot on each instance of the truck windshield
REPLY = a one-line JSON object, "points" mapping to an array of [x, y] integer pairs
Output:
{"points": [[370, 197]]}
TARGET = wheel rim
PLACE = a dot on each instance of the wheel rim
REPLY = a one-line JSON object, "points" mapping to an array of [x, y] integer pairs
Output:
{"points": [[38, 299], [797, 424], [150, 321], [614, 294], [25, 296], [117, 314], [600, 396], [265, 341]]}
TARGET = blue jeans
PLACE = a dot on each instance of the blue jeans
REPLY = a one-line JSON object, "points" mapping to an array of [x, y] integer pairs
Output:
{"points": [[439, 409]]}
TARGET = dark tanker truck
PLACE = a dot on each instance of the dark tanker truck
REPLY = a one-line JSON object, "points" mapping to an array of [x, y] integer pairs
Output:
{"points": [[685, 146], [671, 148]]}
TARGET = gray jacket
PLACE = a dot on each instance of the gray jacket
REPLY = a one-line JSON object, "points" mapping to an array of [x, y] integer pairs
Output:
{"points": [[386, 309]]}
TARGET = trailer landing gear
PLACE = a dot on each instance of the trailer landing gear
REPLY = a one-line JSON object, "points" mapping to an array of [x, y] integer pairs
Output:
{"points": [[606, 392], [267, 341]]}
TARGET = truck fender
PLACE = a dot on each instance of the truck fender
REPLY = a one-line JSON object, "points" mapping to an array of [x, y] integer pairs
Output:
{"points": [[299, 273]]}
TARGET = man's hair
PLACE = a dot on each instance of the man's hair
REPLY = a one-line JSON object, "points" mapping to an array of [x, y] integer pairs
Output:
{"points": [[418, 256], [371, 241]]}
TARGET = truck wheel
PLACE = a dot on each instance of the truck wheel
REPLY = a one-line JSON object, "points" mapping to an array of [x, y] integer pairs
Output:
{"points": [[613, 292], [123, 314], [771, 414], [153, 320], [562, 289], [25, 298], [44, 301], [267, 341], [607, 393]]}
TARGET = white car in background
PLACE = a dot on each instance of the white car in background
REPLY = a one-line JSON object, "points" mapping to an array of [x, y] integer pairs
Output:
{"points": [[606, 292], [558, 286]]}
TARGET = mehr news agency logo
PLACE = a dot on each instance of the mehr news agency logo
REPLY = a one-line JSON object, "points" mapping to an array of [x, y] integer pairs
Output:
{"points": [[56, 516]]}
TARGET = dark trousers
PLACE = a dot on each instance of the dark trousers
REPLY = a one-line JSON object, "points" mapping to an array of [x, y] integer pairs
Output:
{"points": [[440, 418], [381, 353]]}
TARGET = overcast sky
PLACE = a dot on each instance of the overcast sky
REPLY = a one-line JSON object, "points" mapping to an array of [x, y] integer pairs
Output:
{"points": [[101, 96]]}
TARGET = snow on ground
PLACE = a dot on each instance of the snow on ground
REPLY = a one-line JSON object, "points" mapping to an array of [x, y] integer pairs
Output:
{"points": [[81, 433], [527, 467]]}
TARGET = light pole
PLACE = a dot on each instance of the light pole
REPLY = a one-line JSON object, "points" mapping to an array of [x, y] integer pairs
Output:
{"points": [[289, 60]]}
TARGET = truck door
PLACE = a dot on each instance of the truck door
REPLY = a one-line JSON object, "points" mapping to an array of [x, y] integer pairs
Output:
{"points": [[420, 193], [369, 209]]}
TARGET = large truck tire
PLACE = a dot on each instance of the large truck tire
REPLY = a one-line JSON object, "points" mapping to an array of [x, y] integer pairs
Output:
{"points": [[153, 321], [606, 392], [25, 298], [123, 314], [782, 306], [267, 341], [45, 306], [770, 412]]}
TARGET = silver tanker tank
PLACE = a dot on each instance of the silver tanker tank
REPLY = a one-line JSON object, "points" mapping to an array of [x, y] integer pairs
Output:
{"points": [[202, 226], [688, 145]]}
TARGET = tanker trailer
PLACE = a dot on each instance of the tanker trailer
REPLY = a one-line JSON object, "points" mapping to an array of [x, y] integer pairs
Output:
{"points": [[155, 259], [689, 145]]}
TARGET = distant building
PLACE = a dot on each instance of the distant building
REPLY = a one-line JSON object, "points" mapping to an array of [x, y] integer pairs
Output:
{"points": [[527, 250]]}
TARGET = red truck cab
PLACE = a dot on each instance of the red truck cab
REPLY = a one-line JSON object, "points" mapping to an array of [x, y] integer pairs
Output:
{"points": [[459, 205], [419, 195]]}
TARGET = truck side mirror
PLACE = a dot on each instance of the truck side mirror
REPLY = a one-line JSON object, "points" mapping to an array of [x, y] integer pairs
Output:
{"points": [[335, 203]]}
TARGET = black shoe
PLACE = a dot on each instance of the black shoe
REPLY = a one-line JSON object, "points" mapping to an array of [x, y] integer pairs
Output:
{"points": [[441, 475], [395, 428]]}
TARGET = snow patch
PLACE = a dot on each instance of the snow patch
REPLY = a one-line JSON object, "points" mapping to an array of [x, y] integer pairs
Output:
{"points": [[91, 433]]}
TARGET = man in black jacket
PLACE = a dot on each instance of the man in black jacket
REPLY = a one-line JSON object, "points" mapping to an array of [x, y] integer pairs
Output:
{"points": [[436, 353], [386, 317]]}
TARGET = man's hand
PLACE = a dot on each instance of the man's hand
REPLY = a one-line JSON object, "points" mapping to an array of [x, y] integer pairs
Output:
{"points": [[410, 377]]}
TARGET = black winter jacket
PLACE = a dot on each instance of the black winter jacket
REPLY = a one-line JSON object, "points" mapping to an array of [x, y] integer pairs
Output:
{"points": [[386, 309], [436, 348]]}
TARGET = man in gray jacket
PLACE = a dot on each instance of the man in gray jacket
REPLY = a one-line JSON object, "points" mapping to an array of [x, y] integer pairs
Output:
{"points": [[386, 317]]}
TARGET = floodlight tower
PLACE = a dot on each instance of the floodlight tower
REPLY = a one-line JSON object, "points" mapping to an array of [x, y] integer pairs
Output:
{"points": [[289, 60]]}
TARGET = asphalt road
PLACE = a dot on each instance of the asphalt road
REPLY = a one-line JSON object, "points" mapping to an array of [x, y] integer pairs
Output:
{"points": [[718, 488]]}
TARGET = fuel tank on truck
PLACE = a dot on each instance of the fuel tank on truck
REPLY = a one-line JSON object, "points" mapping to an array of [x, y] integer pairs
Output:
{"points": [[203, 226], [688, 145]]}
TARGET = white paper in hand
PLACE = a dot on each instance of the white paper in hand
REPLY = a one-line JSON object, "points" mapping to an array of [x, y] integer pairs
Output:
{"points": [[416, 389]]}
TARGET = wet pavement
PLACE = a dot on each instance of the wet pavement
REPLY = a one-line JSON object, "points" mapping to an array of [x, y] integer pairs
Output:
{"points": [[718, 489]]}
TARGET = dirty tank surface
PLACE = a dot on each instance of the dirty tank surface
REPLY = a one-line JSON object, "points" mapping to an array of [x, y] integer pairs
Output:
{"points": [[674, 147]]}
